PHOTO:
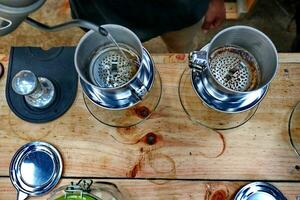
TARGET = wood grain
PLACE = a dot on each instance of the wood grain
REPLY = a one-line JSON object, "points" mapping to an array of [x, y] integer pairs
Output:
{"points": [[169, 190], [259, 150]]}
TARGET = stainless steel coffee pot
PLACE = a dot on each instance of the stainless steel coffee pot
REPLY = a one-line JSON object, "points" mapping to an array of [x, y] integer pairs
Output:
{"points": [[229, 77], [117, 92], [14, 12]]}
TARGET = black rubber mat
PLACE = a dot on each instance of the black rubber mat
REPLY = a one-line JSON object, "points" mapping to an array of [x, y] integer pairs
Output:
{"points": [[56, 64]]}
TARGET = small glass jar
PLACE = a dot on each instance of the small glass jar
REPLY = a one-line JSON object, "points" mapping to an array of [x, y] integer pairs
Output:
{"points": [[88, 190]]}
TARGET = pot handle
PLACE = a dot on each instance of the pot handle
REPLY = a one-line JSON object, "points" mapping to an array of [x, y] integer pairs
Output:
{"points": [[4, 23], [198, 61], [139, 89], [69, 24], [22, 195]]}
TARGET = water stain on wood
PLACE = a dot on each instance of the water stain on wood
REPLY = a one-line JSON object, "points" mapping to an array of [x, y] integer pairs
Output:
{"points": [[149, 139], [134, 171], [163, 166], [25, 130], [224, 144], [216, 192], [137, 167], [126, 130], [66, 6], [128, 135], [219, 195], [5, 59], [156, 160], [180, 56], [223, 148]]}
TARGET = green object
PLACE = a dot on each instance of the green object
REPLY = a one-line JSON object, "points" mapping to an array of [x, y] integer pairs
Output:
{"points": [[77, 197], [83, 191]]}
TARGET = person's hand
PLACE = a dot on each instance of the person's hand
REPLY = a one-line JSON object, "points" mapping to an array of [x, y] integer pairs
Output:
{"points": [[214, 16]]}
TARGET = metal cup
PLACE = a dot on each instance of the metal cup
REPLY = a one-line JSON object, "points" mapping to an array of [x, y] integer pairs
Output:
{"points": [[248, 41], [248, 38], [125, 95]]}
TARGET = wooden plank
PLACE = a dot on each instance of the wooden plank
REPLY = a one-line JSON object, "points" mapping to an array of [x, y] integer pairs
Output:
{"points": [[163, 189], [259, 149], [289, 57], [183, 58]]}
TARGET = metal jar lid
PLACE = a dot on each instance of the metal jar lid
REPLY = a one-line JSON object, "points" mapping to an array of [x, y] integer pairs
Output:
{"points": [[259, 191], [35, 169]]}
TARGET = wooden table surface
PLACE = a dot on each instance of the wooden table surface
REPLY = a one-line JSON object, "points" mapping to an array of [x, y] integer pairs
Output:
{"points": [[186, 160]]}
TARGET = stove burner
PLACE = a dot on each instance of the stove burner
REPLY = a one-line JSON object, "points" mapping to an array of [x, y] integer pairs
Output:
{"points": [[109, 68], [235, 68]]}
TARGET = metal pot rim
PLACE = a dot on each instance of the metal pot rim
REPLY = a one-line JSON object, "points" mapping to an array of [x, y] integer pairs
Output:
{"points": [[207, 49], [86, 92], [83, 38]]}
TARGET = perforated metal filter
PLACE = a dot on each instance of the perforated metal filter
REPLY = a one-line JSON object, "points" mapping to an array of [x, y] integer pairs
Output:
{"points": [[235, 68], [110, 69]]}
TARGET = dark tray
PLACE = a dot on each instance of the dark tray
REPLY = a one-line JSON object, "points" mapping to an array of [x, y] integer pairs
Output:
{"points": [[56, 64]]}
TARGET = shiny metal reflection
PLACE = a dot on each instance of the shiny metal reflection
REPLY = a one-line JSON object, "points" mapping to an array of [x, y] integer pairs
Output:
{"points": [[222, 101], [248, 44], [259, 191], [39, 92], [35, 169]]}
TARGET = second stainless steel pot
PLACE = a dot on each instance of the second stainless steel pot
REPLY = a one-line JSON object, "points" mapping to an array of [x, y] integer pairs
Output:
{"points": [[13, 13]]}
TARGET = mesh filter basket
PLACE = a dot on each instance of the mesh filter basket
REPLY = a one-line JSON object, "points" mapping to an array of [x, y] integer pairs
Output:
{"points": [[235, 68], [110, 69]]}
